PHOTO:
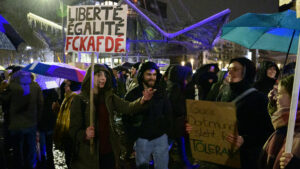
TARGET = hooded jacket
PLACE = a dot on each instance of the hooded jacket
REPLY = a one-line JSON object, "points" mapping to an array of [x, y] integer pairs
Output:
{"points": [[156, 119], [176, 93], [264, 83], [253, 121], [80, 120], [25, 101]]}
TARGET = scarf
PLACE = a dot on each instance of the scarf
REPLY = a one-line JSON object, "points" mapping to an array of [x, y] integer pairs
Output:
{"points": [[61, 130], [281, 117], [274, 147]]}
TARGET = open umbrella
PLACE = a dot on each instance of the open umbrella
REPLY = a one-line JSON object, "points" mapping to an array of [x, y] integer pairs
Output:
{"points": [[9, 38], [60, 70], [120, 68], [127, 65], [5, 43], [47, 82], [276, 32]]}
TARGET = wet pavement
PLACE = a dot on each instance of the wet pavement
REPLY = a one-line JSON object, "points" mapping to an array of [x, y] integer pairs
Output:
{"points": [[59, 159]]}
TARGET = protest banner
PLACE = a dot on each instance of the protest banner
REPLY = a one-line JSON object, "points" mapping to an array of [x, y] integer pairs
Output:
{"points": [[212, 122], [96, 28]]}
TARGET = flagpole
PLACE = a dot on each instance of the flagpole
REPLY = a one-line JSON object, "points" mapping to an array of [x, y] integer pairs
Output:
{"points": [[92, 102], [294, 105]]}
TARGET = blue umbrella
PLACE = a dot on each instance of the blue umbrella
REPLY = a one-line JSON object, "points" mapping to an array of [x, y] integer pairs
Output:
{"points": [[276, 32], [5, 42], [47, 82], [9, 38], [60, 70]]}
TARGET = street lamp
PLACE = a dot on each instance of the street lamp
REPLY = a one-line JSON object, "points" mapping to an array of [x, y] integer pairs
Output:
{"points": [[278, 65], [182, 63], [192, 62]]}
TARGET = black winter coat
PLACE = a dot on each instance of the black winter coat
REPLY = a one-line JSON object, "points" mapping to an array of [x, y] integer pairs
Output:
{"points": [[48, 116], [177, 99], [253, 122], [156, 119], [254, 125], [25, 101], [265, 85]]}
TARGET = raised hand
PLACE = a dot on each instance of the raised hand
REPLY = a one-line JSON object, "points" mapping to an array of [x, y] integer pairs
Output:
{"points": [[148, 94]]}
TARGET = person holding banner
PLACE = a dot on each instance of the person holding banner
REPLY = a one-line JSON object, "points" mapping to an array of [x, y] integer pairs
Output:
{"points": [[253, 122], [273, 156], [106, 150]]}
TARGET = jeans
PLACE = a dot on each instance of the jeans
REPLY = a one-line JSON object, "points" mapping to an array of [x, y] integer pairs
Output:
{"points": [[46, 147], [24, 147], [158, 148]]}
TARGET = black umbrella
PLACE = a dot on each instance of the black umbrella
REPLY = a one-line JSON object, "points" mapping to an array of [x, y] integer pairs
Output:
{"points": [[121, 68], [9, 38], [127, 65]]}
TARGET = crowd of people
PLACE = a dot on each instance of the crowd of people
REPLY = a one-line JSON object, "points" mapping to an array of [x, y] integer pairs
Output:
{"points": [[140, 116]]}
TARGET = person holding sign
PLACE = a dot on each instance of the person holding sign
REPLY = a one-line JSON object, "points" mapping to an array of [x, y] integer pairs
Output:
{"points": [[253, 122], [273, 156], [106, 145]]}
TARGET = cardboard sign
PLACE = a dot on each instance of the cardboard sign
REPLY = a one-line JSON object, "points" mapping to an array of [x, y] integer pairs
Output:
{"points": [[284, 2], [96, 29], [298, 8], [212, 122]]}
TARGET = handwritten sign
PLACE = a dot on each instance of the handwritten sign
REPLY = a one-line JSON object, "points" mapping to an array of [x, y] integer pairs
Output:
{"points": [[284, 2], [212, 122], [96, 29], [298, 8]]}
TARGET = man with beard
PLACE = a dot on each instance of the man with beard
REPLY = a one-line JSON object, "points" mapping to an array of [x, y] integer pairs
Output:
{"points": [[151, 126]]}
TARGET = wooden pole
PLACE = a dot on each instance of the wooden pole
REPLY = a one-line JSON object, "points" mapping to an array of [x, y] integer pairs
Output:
{"points": [[92, 101], [294, 105]]}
